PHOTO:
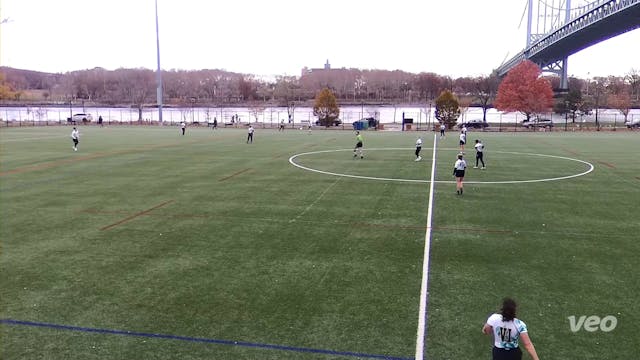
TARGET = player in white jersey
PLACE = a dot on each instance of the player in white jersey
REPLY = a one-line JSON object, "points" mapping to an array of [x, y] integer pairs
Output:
{"points": [[479, 153], [75, 136], [507, 332], [463, 140], [250, 135], [418, 148], [442, 128], [183, 126], [458, 172]]}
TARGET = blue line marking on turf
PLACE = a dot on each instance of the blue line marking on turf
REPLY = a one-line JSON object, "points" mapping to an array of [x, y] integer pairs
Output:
{"points": [[199, 340]]}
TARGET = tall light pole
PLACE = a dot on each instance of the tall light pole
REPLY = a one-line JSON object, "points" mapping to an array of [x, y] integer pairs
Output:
{"points": [[159, 71], [588, 81]]}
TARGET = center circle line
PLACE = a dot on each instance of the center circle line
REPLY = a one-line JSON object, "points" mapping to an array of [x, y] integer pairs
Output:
{"points": [[294, 163]]}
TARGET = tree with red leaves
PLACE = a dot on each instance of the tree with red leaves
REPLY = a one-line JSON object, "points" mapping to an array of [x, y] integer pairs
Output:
{"points": [[525, 91]]}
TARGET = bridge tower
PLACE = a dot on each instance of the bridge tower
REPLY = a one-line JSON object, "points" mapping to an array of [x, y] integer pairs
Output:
{"points": [[540, 21]]}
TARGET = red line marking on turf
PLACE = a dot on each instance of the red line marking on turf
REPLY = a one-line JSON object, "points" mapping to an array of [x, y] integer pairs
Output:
{"points": [[489, 231], [234, 174], [609, 165], [135, 215], [417, 227], [56, 163], [101, 212], [51, 164], [421, 227], [370, 225]]}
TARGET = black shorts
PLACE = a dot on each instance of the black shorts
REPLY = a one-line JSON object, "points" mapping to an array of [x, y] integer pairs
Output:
{"points": [[507, 354], [359, 144], [75, 141], [462, 142], [459, 173]]}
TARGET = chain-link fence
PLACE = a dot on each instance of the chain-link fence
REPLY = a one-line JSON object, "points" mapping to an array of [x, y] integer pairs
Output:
{"points": [[386, 117]]}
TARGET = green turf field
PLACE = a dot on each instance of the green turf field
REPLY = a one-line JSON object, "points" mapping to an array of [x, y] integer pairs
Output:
{"points": [[146, 244]]}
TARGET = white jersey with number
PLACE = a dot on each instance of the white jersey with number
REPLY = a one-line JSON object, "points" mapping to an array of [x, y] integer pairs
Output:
{"points": [[418, 142], [463, 137], [506, 333], [75, 134], [479, 147], [460, 164]]}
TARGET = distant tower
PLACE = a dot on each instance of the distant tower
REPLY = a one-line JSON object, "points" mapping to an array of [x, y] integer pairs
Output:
{"points": [[327, 66]]}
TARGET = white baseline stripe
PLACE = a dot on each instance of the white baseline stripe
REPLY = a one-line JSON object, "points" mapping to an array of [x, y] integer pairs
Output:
{"points": [[422, 319]]}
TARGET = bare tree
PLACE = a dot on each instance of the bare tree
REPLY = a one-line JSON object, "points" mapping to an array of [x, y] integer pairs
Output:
{"points": [[286, 91], [137, 85], [256, 109], [633, 79], [621, 102], [598, 97], [485, 90]]}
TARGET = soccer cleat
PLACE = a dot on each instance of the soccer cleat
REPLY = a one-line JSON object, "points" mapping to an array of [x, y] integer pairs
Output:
{"points": [[475, 167], [483, 168]]}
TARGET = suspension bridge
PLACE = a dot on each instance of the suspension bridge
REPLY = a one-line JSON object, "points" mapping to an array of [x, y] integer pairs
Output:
{"points": [[556, 30]]}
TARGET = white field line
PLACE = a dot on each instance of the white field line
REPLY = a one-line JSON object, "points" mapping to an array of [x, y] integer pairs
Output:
{"points": [[315, 201], [589, 165], [422, 319]]}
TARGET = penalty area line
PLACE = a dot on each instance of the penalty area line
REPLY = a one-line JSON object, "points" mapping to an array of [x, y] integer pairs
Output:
{"points": [[422, 314]]}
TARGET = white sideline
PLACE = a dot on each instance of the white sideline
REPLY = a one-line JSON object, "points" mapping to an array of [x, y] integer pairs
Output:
{"points": [[422, 319]]}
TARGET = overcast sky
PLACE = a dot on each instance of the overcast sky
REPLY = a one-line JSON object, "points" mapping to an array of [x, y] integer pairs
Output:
{"points": [[277, 37]]}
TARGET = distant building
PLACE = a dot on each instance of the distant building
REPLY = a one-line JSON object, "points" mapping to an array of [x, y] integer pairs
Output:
{"points": [[307, 71]]}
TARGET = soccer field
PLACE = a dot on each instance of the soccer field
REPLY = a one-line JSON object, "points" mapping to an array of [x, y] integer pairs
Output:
{"points": [[145, 244]]}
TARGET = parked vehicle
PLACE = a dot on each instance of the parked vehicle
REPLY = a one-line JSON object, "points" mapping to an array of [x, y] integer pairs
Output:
{"points": [[75, 118], [538, 123], [365, 123], [635, 123], [336, 122], [473, 124]]}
